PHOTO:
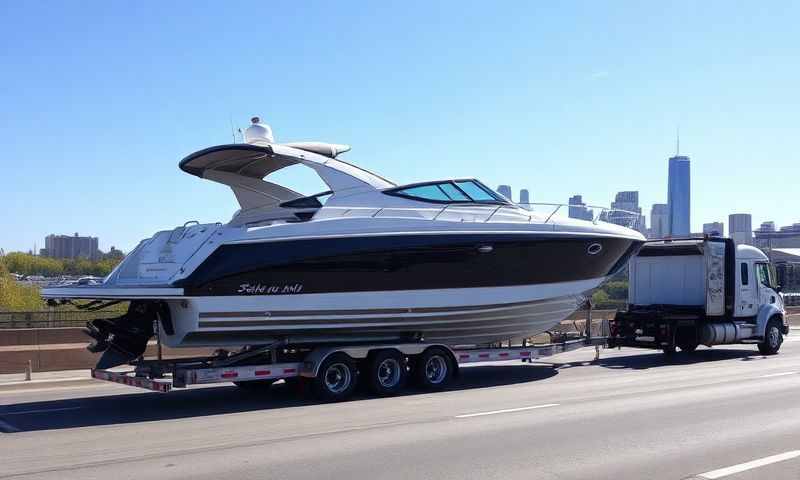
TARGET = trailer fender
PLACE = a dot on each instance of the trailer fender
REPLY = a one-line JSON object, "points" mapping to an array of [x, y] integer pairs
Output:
{"points": [[765, 313]]}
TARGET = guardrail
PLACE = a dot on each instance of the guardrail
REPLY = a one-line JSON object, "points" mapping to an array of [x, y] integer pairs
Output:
{"points": [[51, 318]]}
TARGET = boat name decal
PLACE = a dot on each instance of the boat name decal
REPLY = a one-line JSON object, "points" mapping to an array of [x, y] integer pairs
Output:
{"points": [[261, 289]]}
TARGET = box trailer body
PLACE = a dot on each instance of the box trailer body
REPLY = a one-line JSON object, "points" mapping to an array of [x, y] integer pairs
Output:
{"points": [[709, 291]]}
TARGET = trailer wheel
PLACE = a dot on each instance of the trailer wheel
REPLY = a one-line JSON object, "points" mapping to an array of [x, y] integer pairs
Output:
{"points": [[255, 385], [433, 369], [773, 338], [336, 378], [386, 372]]}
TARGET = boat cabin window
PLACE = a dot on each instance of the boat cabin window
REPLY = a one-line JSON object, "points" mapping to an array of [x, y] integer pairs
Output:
{"points": [[313, 201], [455, 191]]}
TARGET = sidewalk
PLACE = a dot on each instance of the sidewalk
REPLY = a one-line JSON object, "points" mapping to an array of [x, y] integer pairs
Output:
{"points": [[64, 378]]}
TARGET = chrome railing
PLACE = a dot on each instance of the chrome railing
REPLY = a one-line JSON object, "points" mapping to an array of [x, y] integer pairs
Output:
{"points": [[598, 213]]}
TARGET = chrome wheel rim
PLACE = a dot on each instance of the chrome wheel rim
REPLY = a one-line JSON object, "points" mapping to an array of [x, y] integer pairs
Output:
{"points": [[389, 373], [337, 377], [436, 369]]}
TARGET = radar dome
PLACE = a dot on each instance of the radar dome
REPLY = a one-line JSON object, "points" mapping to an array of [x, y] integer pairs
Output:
{"points": [[258, 133]]}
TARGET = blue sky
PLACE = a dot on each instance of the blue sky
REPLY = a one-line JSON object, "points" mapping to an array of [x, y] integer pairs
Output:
{"points": [[100, 100]]}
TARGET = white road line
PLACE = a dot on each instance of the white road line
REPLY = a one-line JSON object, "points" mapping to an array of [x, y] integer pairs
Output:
{"points": [[761, 462], [46, 410], [777, 374], [509, 410], [7, 427]]}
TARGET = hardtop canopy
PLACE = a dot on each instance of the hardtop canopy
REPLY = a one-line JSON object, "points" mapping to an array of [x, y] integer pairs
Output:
{"points": [[243, 167]]}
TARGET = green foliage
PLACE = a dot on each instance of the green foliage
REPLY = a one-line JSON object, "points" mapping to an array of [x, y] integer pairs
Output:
{"points": [[26, 264], [15, 296]]}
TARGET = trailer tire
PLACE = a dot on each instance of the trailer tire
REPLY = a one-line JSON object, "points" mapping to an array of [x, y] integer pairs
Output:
{"points": [[434, 369], [773, 337], [387, 372], [336, 379]]}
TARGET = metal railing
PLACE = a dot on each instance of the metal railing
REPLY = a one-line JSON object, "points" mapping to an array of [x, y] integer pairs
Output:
{"points": [[522, 210]]}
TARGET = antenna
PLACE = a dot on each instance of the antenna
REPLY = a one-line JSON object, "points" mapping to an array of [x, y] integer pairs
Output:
{"points": [[233, 132], [678, 141]]}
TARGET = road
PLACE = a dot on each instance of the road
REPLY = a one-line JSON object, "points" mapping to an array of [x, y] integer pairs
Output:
{"points": [[633, 414]]}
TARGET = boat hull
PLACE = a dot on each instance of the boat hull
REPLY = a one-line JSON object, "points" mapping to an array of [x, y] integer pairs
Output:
{"points": [[471, 316]]}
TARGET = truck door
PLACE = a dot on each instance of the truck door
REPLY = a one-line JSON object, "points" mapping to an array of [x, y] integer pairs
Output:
{"points": [[748, 291], [766, 294]]}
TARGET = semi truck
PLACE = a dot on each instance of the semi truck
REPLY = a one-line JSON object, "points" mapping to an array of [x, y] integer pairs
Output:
{"points": [[709, 291]]}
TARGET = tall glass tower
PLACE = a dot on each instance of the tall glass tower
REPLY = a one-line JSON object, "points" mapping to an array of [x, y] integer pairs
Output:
{"points": [[679, 199]]}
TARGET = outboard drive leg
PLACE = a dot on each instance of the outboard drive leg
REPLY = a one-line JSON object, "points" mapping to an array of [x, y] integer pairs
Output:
{"points": [[123, 338]]}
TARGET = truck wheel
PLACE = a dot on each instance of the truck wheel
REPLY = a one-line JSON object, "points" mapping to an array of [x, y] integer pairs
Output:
{"points": [[773, 338], [336, 378], [386, 372], [433, 369], [688, 347], [255, 385]]}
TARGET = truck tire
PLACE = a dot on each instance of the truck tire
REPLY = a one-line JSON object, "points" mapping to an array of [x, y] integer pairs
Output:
{"points": [[773, 337], [336, 379], [688, 347], [433, 369], [386, 372]]}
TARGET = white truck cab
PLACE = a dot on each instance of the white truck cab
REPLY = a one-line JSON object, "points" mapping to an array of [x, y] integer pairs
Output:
{"points": [[687, 292], [755, 281]]}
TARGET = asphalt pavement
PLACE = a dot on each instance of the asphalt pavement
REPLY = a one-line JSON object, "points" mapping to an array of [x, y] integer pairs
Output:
{"points": [[634, 414]]}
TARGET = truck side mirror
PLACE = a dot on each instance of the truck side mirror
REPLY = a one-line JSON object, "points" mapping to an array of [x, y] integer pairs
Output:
{"points": [[778, 288]]}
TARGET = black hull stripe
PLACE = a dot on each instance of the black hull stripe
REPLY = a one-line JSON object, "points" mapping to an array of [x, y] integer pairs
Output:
{"points": [[401, 321], [367, 311], [410, 262]]}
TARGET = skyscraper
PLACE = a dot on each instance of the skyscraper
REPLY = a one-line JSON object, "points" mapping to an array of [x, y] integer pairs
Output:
{"points": [[678, 197], [740, 228], [524, 197], [579, 211], [505, 190], [714, 229], [632, 216], [659, 220]]}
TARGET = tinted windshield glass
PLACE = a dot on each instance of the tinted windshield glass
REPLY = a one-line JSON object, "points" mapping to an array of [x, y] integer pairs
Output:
{"points": [[428, 192], [458, 191], [453, 192], [475, 191]]}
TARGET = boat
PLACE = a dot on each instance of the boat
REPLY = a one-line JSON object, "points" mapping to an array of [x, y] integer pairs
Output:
{"points": [[367, 260]]}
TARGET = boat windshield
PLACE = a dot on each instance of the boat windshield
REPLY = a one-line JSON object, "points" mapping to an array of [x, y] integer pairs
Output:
{"points": [[448, 191]]}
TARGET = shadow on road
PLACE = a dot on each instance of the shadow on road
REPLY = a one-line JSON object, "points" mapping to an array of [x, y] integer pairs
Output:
{"points": [[643, 360], [142, 406]]}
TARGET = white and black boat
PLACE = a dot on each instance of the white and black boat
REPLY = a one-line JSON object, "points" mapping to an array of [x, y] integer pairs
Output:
{"points": [[366, 261]]}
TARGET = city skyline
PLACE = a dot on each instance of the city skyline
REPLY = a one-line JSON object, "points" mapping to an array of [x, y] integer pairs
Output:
{"points": [[564, 109]]}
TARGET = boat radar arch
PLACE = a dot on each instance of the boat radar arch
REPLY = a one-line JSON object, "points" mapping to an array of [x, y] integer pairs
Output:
{"points": [[258, 133]]}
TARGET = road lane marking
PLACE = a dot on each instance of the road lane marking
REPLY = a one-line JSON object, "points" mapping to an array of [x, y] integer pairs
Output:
{"points": [[761, 462], [508, 410], [777, 374], [45, 410]]}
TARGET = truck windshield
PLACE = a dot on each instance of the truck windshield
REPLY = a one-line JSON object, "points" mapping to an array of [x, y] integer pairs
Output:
{"points": [[764, 277]]}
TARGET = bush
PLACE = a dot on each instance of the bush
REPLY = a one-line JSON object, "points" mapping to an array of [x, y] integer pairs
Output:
{"points": [[15, 296]]}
